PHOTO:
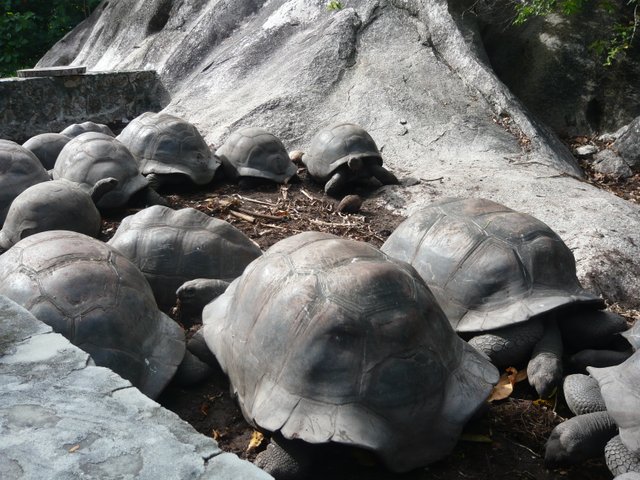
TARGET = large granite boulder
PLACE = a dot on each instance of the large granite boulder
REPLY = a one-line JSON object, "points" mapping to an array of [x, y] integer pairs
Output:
{"points": [[413, 73], [550, 64]]}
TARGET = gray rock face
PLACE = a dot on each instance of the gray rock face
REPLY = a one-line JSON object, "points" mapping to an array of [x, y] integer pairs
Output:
{"points": [[413, 73], [628, 145], [61, 417], [549, 64]]}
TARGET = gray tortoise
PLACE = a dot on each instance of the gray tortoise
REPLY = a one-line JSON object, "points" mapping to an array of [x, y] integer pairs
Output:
{"points": [[91, 157], [173, 246], [503, 278], [94, 296], [329, 341], [54, 205], [169, 149], [47, 147], [19, 169], [342, 154], [607, 408], [253, 156], [72, 131]]}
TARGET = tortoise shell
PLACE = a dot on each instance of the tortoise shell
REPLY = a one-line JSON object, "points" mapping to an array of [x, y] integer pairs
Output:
{"points": [[90, 293], [173, 246], [91, 157], [254, 152], [53, 205], [326, 339], [76, 129], [47, 147], [165, 144], [19, 169], [488, 265], [332, 147]]}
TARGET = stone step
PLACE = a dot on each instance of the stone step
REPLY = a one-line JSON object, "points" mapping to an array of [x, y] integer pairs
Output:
{"points": [[51, 71]]}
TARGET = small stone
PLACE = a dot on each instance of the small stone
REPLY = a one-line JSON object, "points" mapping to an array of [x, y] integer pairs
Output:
{"points": [[586, 150], [350, 204], [609, 163], [296, 156]]}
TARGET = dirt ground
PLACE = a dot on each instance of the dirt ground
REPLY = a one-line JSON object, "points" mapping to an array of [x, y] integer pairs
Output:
{"points": [[507, 442]]}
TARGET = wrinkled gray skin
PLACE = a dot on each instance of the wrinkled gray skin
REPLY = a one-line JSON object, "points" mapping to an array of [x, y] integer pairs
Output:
{"points": [[91, 157], [194, 295], [47, 147], [342, 154], [333, 330], [613, 393], [91, 294], [171, 247], [19, 169], [72, 131], [54, 205], [494, 271], [169, 150], [252, 155]]}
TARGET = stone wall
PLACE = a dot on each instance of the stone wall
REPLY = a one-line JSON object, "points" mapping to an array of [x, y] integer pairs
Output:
{"points": [[29, 106]]}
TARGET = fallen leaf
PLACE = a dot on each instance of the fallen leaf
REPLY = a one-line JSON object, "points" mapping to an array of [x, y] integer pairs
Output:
{"points": [[256, 440], [216, 434], [75, 448], [475, 437], [204, 409], [504, 387]]}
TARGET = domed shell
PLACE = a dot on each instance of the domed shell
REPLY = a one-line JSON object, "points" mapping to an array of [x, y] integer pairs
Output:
{"points": [[254, 152], [95, 297], [333, 146], [620, 388], [19, 169], [329, 340], [91, 157], [47, 147], [165, 144], [173, 246], [53, 205], [488, 266], [76, 129]]}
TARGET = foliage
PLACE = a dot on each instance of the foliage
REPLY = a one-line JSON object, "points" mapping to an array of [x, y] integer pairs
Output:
{"points": [[335, 5], [614, 43], [28, 28]]}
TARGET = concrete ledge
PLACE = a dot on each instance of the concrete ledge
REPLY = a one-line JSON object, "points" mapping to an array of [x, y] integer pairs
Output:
{"points": [[29, 106], [61, 417]]}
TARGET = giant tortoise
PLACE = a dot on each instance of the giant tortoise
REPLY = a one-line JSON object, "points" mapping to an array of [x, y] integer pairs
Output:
{"points": [[173, 246], [92, 294], [47, 147], [252, 156], [91, 157], [169, 149], [502, 277], [329, 341], [342, 154], [19, 169], [54, 205], [607, 408], [72, 131]]}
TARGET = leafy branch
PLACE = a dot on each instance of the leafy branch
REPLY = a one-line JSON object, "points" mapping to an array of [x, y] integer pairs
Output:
{"points": [[620, 36]]}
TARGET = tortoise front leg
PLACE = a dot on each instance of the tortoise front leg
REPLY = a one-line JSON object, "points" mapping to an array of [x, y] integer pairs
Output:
{"points": [[337, 183], [545, 367], [285, 459], [383, 175]]}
